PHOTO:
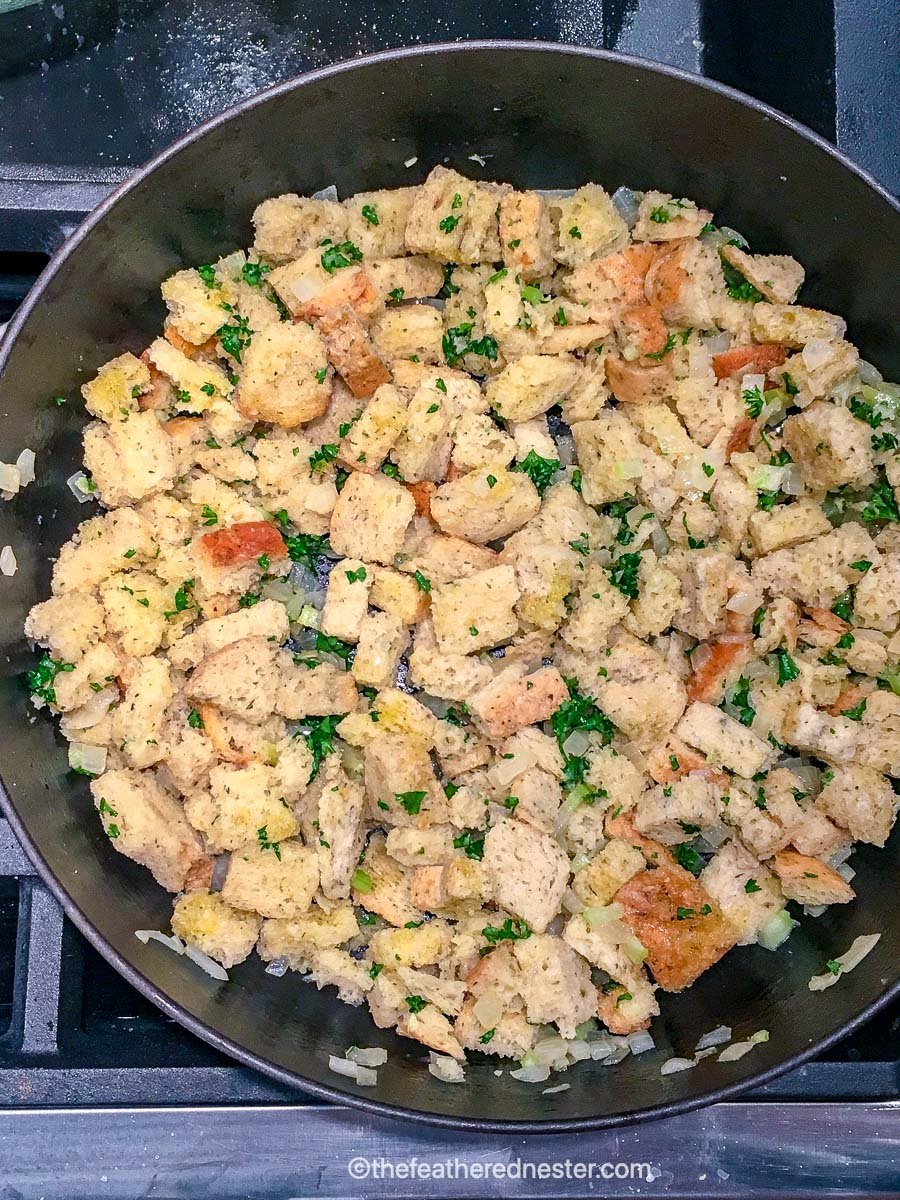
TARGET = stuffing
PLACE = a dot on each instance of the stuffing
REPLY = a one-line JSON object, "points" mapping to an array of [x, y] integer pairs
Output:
{"points": [[455, 641], [146, 823], [129, 460], [239, 803], [241, 678], [829, 446], [527, 870], [588, 224], [476, 613], [531, 385], [639, 693], [747, 892], [382, 642], [482, 505], [793, 325], [861, 801], [512, 700], [273, 879], [114, 392], [286, 225], [209, 923], [810, 881], [370, 518]]}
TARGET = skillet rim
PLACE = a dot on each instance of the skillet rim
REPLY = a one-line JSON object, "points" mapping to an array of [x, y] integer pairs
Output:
{"points": [[117, 960]]}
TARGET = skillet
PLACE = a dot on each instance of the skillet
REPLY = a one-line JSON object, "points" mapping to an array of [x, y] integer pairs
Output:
{"points": [[540, 115]]}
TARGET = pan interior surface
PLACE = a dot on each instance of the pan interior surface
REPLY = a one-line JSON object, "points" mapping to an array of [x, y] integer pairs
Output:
{"points": [[534, 116]]}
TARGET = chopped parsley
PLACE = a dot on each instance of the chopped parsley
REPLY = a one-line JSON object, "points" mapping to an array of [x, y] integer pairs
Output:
{"points": [[235, 337], [369, 214], [498, 275], [306, 548], [448, 287], [740, 698], [332, 645], [338, 255], [559, 317], [787, 668], [319, 459], [395, 295], [687, 914], [448, 223], [318, 733], [753, 401], [356, 576], [689, 858], [361, 881], [843, 606], [581, 713], [410, 801], [487, 1036], [471, 841], [538, 469], [669, 346], [208, 274], [264, 843], [457, 342], [210, 517], [660, 215], [881, 505], [415, 1003], [856, 712], [738, 286], [575, 232], [512, 930], [623, 574], [194, 719], [422, 583], [751, 886], [391, 470], [39, 681], [253, 273]]}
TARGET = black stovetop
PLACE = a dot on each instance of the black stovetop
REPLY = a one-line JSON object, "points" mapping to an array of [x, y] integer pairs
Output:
{"points": [[89, 1069]]}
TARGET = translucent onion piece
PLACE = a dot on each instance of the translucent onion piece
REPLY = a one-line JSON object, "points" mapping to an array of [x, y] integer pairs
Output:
{"points": [[776, 930], [342, 1066], [171, 941], [326, 193], [735, 1051], [365, 1077], [277, 967], [869, 374], [488, 1009], [368, 1056], [78, 486], [446, 1069], [627, 203], [715, 1037], [91, 711], [672, 1065], [91, 760], [560, 1087], [10, 478], [640, 1042], [571, 903], [8, 563], [531, 1074], [847, 961], [207, 964]]}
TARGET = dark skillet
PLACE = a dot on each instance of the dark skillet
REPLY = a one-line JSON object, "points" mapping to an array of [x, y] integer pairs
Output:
{"points": [[542, 116]]}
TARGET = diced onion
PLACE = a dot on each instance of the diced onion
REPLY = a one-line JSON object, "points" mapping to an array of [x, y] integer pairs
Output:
{"points": [[816, 353], [673, 1065], [635, 949], [776, 930], [578, 1050], [579, 862], [701, 656], [565, 449], [735, 1051], [601, 914], [628, 468], [560, 1087], [715, 1037], [326, 193], [366, 1077], [205, 963], [411, 162], [277, 967], [814, 910], [750, 382], [8, 563], [869, 374], [619, 1052], [172, 941], [78, 485], [92, 710], [847, 961], [745, 603], [25, 463], [304, 288], [533, 1074], [640, 1042], [342, 1066], [445, 1068], [627, 203], [766, 478], [488, 1009], [717, 343], [792, 484], [761, 1035], [846, 871], [217, 879], [505, 770], [232, 265], [368, 1056], [732, 235], [601, 1048], [571, 903], [89, 759], [576, 744], [10, 478]]}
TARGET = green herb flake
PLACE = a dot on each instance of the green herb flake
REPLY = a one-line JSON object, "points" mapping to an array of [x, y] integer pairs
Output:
{"points": [[538, 469], [415, 1004], [369, 214], [339, 255], [265, 844], [787, 668], [410, 801], [623, 574]]}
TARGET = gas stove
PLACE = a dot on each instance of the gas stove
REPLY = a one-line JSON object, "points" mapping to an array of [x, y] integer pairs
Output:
{"points": [[100, 1093]]}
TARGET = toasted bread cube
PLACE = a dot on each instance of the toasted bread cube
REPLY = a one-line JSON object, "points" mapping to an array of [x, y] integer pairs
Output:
{"points": [[293, 938], [241, 678], [129, 460], [414, 277], [453, 219], [829, 445], [787, 525], [511, 700], [608, 869], [420, 947], [240, 802], [347, 600], [674, 918], [288, 224], [371, 517], [724, 741], [793, 325], [325, 690], [422, 451], [412, 329], [526, 234], [389, 896], [267, 619], [147, 824], [531, 385], [209, 923], [137, 721], [284, 376], [376, 221], [528, 872], [589, 225], [370, 438], [809, 880], [861, 801], [511, 1037], [691, 806], [114, 392], [274, 879], [778, 276], [662, 218], [195, 310], [639, 692], [477, 612], [479, 510], [398, 594], [746, 891], [600, 446], [382, 642], [876, 601], [351, 352], [556, 983]]}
